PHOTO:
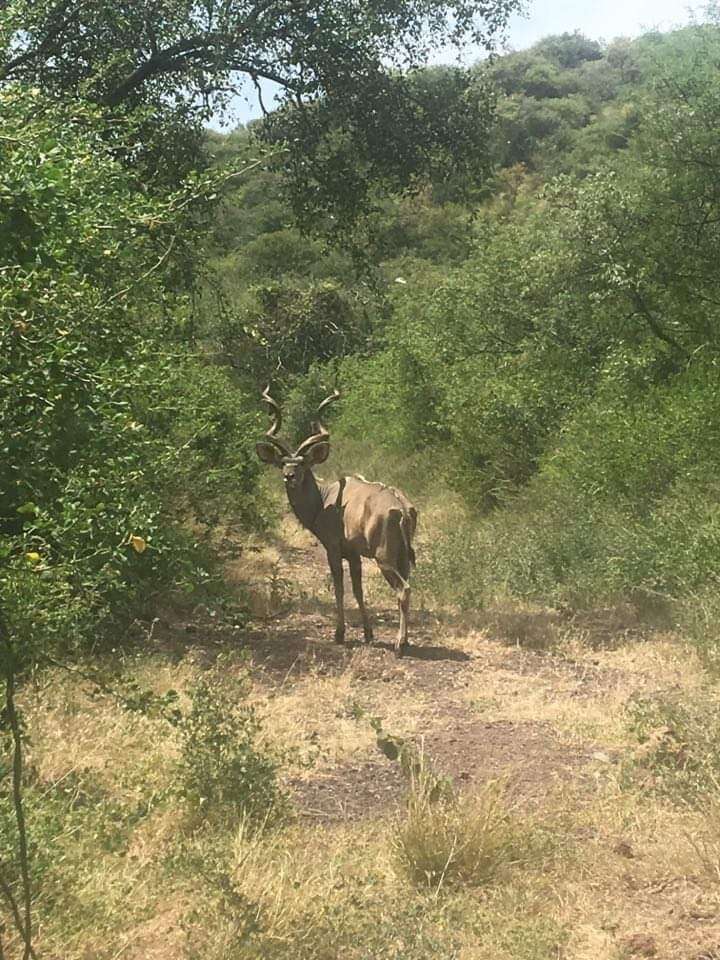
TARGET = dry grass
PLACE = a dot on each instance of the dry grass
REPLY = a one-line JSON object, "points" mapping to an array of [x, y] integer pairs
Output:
{"points": [[444, 839], [319, 894], [620, 866], [595, 869], [330, 713], [77, 734], [638, 879], [96, 770], [704, 839]]}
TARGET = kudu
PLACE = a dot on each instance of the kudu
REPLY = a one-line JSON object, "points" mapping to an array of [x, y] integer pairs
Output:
{"points": [[352, 518]]}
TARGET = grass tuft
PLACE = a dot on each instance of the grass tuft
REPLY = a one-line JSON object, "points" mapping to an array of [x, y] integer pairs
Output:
{"points": [[446, 839]]}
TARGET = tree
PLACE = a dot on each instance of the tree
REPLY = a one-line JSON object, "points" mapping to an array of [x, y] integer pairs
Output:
{"points": [[646, 233], [121, 51], [111, 428], [569, 50], [344, 72]]}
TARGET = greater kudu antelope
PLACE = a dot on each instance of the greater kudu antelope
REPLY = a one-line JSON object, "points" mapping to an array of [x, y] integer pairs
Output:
{"points": [[352, 518]]}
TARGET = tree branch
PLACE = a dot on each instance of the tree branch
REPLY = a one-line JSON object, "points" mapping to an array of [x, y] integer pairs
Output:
{"points": [[200, 52], [58, 23], [652, 321], [24, 924], [6, 891], [139, 280], [162, 61]]}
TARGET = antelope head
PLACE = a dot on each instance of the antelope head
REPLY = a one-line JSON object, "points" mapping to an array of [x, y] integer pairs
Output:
{"points": [[313, 449]]}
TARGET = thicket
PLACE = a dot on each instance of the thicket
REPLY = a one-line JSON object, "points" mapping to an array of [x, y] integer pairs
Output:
{"points": [[553, 347], [114, 432], [578, 386], [119, 445]]}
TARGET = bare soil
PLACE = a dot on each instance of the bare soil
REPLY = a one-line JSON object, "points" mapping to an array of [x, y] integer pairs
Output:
{"points": [[535, 698], [438, 672]]}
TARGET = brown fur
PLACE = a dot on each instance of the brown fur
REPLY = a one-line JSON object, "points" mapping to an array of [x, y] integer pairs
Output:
{"points": [[354, 518]]}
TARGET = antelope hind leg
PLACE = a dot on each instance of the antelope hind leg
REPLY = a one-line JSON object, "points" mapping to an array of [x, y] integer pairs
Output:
{"points": [[402, 588], [404, 609], [355, 564]]}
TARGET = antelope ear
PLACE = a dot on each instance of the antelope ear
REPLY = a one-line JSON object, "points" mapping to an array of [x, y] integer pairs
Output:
{"points": [[318, 453], [269, 454]]}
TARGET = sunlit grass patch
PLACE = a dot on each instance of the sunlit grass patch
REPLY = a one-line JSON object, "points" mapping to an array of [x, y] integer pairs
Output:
{"points": [[705, 841], [324, 893], [448, 840], [445, 838], [310, 894], [678, 745]]}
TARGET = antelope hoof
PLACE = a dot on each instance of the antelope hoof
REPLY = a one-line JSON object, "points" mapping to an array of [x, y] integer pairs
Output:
{"points": [[369, 635], [340, 635]]}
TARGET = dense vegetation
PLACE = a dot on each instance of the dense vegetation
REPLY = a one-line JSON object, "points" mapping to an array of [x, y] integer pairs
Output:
{"points": [[510, 271], [112, 428], [552, 347]]}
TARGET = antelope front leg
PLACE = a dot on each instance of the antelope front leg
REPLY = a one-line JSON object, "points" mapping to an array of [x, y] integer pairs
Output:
{"points": [[356, 577], [404, 608], [336, 569]]}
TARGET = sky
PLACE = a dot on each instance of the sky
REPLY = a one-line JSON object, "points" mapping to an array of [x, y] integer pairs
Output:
{"points": [[602, 20], [598, 20]]}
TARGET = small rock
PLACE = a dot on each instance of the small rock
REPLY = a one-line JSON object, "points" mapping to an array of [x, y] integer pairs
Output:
{"points": [[640, 945], [602, 757], [623, 849]]}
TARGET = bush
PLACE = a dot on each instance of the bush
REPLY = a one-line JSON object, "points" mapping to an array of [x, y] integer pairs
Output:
{"points": [[280, 328], [679, 747], [563, 379], [111, 438], [224, 773]]}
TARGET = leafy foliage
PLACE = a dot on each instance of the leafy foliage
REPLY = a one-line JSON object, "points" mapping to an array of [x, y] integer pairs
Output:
{"points": [[105, 434], [563, 374], [353, 113], [679, 747], [223, 770]]}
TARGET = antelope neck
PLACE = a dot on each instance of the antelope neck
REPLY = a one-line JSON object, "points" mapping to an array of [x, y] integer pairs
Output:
{"points": [[306, 500]]}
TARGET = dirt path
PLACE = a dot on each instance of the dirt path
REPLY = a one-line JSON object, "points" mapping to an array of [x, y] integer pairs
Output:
{"points": [[487, 698], [480, 708]]}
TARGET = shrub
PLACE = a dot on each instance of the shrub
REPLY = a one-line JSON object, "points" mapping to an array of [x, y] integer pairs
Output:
{"points": [[282, 327], [224, 772], [111, 438], [679, 747]]}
